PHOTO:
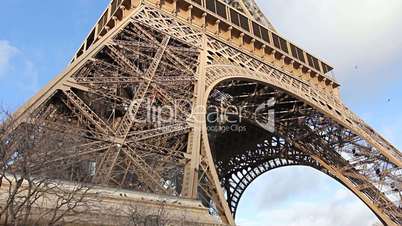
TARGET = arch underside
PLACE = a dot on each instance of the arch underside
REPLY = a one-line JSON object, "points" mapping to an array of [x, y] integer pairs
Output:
{"points": [[238, 171], [302, 136]]}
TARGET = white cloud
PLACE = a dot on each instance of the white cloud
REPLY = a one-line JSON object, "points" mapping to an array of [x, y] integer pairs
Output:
{"points": [[344, 31], [361, 38], [31, 76], [308, 198], [330, 214], [16, 68], [7, 52], [291, 183]]}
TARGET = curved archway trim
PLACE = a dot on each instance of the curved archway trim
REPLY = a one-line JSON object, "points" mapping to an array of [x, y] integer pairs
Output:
{"points": [[302, 91]]}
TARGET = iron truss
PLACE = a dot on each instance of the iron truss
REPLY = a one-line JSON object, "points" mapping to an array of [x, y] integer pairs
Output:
{"points": [[104, 108], [97, 115], [303, 136]]}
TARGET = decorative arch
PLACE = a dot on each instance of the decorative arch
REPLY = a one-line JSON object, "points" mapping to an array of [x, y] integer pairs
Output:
{"points": [[238, 183], [333, 142]]}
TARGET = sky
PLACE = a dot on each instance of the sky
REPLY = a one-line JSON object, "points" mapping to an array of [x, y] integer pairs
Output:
{"points": [[360, 38]]}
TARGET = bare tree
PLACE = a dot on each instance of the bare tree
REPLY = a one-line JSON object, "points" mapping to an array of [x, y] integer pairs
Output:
{"points": [[158, 215], [141, 215], [32, 183]]}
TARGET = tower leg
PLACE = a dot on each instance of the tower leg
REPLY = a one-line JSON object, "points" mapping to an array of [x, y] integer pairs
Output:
{"points": [[190, 180]]}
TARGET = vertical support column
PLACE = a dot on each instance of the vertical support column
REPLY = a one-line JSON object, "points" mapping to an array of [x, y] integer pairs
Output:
{"points": [[253, 45], [230, 36], [262, 51], [204, 21], [174, 7], [300, 71], [241, 39], [271, 57], [283, 63], [123, 11], [190, 16], [217, 29], [190, 180]]}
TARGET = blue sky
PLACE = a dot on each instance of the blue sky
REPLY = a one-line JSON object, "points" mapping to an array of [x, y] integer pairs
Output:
{"points": [[361, 38], [37, 40]]}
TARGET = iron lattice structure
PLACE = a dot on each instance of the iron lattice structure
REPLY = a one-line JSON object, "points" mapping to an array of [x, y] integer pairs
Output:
{"points": [[186, 55]]}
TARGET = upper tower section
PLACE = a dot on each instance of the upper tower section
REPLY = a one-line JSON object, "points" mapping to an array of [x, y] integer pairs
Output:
{"points": [[238, 23], [251, 9]]}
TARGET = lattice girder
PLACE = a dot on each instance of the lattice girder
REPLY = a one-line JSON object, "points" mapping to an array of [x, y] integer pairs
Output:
{"points": [[352, 161], [91, 102], [154, 55]]}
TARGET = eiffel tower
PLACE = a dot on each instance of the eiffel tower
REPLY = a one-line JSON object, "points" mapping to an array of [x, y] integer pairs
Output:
{"points": [[181, 57]]}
